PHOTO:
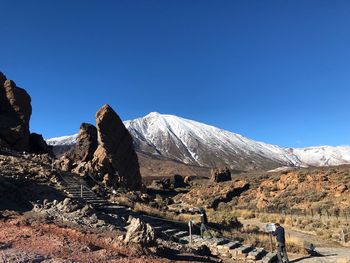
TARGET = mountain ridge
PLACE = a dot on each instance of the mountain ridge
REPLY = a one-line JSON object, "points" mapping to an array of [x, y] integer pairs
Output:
{"points": [[194, 143]]}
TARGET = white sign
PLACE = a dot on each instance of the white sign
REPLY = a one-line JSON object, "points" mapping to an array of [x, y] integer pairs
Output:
{"points": [[270, 227]]}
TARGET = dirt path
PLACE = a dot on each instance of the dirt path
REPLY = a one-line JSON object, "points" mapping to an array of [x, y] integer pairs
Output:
{"points": [[331, 251]]}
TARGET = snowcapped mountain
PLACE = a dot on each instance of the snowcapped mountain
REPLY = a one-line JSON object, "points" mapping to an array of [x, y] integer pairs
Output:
{"points": [[322, 155], [195, 143], [63, 140], [186, 141]]}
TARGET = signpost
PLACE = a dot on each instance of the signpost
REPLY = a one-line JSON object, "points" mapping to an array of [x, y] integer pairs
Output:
{"points": [[114, 193], [270, 228], [190, 224]]}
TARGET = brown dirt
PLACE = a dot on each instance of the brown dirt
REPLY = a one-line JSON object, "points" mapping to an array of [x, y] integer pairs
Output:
{"points": [[61, 243], [152, 167]]}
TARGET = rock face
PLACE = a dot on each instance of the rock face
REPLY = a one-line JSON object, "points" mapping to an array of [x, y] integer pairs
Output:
{"points": [[105, 152], [86, 144], [139, 233], [38, 145], [15, 112], [115, 155], [220, 175]]}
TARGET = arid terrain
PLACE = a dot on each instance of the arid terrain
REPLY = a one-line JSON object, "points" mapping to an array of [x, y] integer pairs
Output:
{"points": [[101, 202]]}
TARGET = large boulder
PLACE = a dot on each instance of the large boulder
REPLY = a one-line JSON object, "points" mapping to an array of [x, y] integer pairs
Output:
{"points": [[15, 112], [220, 175], [115, 156], [139, 233], [86, 144]]}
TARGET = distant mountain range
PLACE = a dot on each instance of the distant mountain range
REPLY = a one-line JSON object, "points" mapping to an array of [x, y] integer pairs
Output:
{"points": [[172, 138]]}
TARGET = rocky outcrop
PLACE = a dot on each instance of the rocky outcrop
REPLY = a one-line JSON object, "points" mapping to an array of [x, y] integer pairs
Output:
{"points": [[105, 153], [38, 145], [220, 175], [213, 194], [115, 156], [179, 181], [15, 112], [139, 233], [86, 145]]}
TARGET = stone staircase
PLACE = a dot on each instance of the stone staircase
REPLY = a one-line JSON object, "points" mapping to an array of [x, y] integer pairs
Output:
{"points": [[178, 232], [76, 187]]}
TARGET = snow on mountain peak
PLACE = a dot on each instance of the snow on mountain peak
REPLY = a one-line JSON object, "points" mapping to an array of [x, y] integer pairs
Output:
{"points": [[152, 114], [62, 140], [196, 143]]}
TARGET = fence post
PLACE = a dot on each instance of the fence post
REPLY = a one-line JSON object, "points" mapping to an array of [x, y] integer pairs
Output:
{"points": [[190, 224]]}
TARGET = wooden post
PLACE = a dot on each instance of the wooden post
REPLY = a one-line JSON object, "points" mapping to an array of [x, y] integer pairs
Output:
{"points": [[342, 237], [271, 243], [81, 191], [190, 223]]}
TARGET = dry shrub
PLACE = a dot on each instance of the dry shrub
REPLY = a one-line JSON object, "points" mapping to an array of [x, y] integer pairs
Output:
{"points": [[140, 207], [268, 218], [247, 214], [295, 245], [251, 229]]}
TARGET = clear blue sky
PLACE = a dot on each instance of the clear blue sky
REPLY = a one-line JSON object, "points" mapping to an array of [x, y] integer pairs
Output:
{"points": [[275, 71]]}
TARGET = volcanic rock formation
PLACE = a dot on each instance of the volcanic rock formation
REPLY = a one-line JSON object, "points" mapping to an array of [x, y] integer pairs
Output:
{"points": [[15, 112], [106, 153], [86, 144], [220, 175], [115, 154], [38, 145]]}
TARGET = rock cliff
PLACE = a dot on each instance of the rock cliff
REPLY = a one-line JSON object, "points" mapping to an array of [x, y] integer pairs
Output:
{"points": [[15, 112]]}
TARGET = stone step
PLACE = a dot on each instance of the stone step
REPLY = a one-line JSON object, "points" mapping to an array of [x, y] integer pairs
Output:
{"points": [[158, 223], [93, 198], [159, 228], [271, 257], [218, 241], [170, 231], [230, 245], [195, 238], [79, 193], [180, 234], [256, 254], [96, 203], [241, 252]]}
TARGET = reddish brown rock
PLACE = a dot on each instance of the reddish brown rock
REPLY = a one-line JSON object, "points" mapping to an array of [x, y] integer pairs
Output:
{"points": [[115, 156], [220, 175], [86, 144], [15, 112]]}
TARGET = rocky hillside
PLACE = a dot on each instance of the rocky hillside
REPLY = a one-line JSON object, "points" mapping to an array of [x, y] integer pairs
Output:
{"points": [[324, 188], [169, 137]]}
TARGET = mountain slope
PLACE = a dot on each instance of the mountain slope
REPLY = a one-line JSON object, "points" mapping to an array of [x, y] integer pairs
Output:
{"points": [[200, 144], [173, 138]]}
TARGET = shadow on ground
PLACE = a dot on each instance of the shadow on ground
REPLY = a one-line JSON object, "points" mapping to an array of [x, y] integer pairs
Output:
{"points": [[17, 194], [314, 254]]}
